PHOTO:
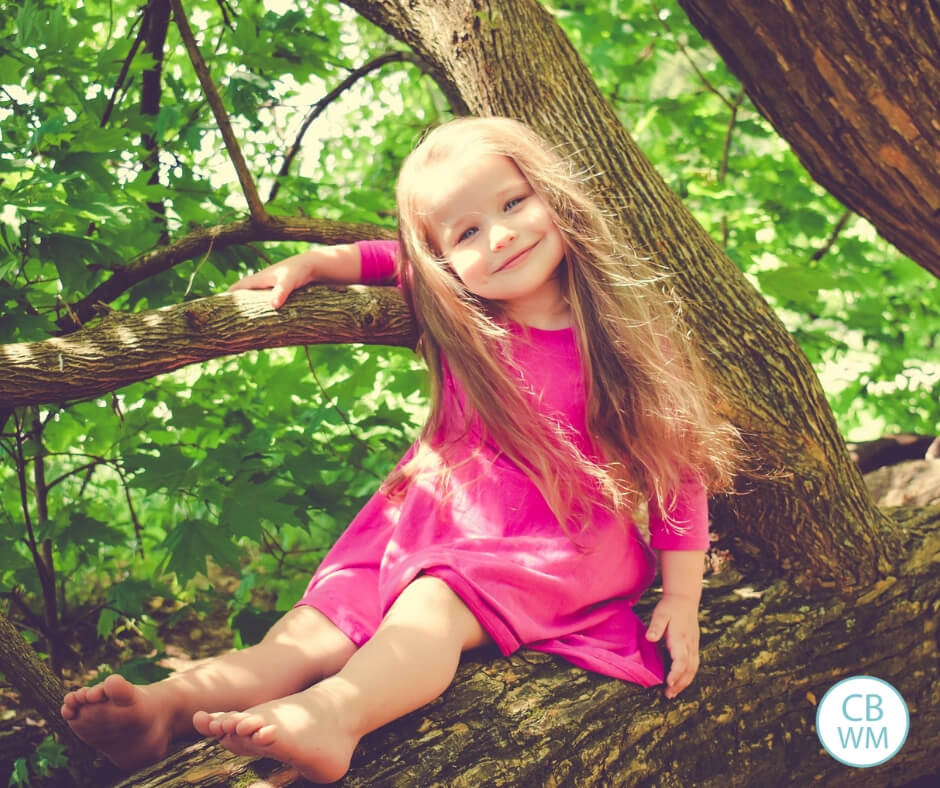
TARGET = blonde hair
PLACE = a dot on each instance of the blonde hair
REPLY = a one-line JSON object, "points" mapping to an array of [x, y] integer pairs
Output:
{"points": [[648, 401]]}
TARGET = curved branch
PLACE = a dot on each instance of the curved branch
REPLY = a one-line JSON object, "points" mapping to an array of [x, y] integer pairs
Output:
{"points": [[317, 109], [123, 348], [255, 206], [204, 240]]}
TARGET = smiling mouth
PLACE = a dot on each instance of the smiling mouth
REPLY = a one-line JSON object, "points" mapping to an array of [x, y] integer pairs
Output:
{"points": [[515, 258]]}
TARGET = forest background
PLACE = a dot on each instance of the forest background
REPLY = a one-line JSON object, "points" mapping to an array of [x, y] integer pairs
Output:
{"points": [[245, 469]]}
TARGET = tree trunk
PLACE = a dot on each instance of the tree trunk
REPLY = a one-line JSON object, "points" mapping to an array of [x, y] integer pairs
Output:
{"points": [[769, 653], [853, 87], [807, 509]]}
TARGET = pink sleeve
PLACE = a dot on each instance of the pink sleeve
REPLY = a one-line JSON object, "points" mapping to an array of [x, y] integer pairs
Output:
{"points": [[686, 527], [378, 260]]}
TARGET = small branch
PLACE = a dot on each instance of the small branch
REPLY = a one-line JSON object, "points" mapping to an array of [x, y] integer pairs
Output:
{"points": [[125, 68], [833, 237], [226, 8], [32, 620], [317, 109], [138, 528], [79, 469], [682, 48], [199, 242], [725, 157], [255, 206]]}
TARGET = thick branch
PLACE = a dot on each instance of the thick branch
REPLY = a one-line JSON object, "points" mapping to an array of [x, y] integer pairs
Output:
{"points": [[255, 206], [852, 87], [203, 241], [126, 347]]}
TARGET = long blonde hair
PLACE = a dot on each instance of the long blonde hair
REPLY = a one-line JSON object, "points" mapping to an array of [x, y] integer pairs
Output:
{"points": [[649, 404]]}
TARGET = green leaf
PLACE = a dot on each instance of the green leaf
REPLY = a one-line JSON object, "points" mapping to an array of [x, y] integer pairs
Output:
{"points": [[106, 620], [191, 542]]}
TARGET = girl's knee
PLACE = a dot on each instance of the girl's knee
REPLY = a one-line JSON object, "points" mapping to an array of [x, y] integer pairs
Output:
{"points": [[429, 594], [305, 625]]}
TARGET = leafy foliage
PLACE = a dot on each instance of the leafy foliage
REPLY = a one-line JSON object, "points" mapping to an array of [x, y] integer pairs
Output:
{"points": [[249, 467]]}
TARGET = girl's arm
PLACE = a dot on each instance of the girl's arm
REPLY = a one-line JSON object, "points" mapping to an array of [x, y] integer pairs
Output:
{"points": [[366, 262], [676, 615], [680, 537]]}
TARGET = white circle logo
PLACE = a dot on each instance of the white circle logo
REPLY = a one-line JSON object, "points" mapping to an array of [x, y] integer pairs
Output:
{"points": [[862, 721]]}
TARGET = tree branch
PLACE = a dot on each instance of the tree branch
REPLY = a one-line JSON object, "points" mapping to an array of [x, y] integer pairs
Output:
{"points": [[125, 67], [837, 228], [201, 241], [317, 109], [123, 348], [255, 206]]}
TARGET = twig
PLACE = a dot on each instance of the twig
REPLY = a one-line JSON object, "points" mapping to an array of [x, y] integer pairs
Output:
{"points": [[226, 8], [255, 206], [125, 67], [833, 237], [317, 109], [725, 156], [708, 85]]}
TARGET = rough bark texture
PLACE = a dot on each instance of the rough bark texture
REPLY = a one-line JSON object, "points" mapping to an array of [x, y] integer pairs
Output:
{"points": [[126, 347], [769, 653], [39, 689], [853, 87]]}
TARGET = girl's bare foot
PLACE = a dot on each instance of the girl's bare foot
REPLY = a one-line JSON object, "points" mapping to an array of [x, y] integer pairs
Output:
{"points": [[125, 722], [308, 731]]}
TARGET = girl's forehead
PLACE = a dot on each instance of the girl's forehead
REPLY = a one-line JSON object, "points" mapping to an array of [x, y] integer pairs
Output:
{"points": [[448, 184]]}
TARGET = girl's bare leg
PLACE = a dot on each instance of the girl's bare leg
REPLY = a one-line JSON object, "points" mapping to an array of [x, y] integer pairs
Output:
{"points": [[411, 659], [133, 725]]}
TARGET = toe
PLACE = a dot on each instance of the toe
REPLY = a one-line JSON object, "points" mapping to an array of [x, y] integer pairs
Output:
{"points": [[248, 725], [265, 735], [118, 689], [229, 722], [202, 722]]}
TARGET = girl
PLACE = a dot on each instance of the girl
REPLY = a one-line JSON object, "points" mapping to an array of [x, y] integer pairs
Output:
{"points": [[562, 396]]}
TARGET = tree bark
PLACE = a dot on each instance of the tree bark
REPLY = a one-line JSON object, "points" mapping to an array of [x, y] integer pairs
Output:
{"points": [[769, 653], [853, 87], [40, 690]]}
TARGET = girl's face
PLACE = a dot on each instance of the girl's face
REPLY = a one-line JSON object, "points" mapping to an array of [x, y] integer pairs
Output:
{"points": [[500, 237]]}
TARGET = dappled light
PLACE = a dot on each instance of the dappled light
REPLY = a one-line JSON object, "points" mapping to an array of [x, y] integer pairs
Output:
{"points": [[178, 460]]}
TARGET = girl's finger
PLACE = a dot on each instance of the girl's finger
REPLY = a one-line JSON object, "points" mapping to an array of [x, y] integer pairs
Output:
{"points": [[657, 626]]}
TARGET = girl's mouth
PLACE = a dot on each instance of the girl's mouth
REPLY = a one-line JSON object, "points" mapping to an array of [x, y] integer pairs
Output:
{"points": [[515, 259]]}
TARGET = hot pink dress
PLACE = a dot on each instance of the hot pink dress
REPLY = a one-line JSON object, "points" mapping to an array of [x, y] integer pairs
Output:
{"points": [[489, 534]]}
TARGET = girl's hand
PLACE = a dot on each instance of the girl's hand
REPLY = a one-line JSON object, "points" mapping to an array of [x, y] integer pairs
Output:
{"points": [[281, 279], [677, 618]]}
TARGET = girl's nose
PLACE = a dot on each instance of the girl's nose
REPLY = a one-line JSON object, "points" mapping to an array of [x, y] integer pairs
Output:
{"points": [[500, 236]]}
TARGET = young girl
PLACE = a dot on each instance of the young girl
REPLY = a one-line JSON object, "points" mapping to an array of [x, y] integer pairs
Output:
{"points": [[562, 396]]}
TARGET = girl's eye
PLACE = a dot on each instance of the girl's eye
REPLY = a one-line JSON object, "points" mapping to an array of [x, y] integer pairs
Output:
{"points": [[513, 203], [469, 232]]}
